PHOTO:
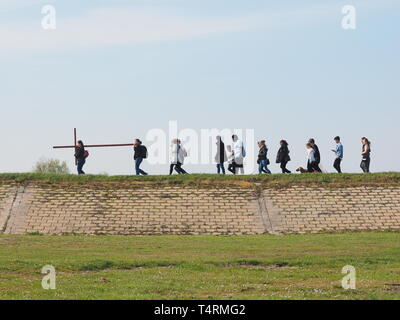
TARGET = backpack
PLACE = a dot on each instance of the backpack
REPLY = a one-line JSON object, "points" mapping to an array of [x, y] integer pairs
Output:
{"points": [[86, 154], [184, 152], [144, 152], [243, 152]]}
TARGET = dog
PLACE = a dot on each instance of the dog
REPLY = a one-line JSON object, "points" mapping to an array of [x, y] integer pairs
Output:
{"points": [[302, 170]]}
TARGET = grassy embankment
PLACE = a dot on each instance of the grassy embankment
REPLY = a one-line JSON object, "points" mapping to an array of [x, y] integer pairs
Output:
{"points": [[388, 178]]}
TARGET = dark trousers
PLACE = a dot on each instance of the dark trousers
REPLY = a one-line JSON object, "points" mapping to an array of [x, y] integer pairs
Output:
{"points": [[80, 163], [336, 165], [232, 167], [283, 167], [138, 162], [220, 168], [178, 168], [365, 164], [313, 166]]}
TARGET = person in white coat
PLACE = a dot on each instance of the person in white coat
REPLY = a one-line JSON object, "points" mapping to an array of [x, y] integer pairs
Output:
{"points": [[177, 157], [239, 153], [231, 160], [311, 163]]}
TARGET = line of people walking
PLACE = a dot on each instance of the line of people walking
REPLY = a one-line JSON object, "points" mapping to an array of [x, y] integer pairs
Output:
{"points": [[235, 153]]}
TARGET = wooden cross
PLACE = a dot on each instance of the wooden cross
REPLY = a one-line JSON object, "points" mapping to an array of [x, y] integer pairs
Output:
{"points": [[92, 145]]}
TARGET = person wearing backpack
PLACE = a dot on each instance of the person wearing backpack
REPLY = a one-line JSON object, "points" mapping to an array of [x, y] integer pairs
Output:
{"points": [[177, 157], [80, 155], [239, 153], [140, 154]]}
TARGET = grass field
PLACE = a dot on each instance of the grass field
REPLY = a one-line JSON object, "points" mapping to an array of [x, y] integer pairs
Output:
{"points": [[201, 267]]}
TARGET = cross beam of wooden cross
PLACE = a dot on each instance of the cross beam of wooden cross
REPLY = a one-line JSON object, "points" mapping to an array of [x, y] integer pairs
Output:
{"points": [[92, 145], [96, 146]]}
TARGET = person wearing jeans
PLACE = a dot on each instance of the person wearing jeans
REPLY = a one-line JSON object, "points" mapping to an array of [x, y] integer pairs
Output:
{"points": [[220, 168], [80, 164], [262, 158], [220, 157], [80, 157], [138, 162], [140, 154], [339, 154]]}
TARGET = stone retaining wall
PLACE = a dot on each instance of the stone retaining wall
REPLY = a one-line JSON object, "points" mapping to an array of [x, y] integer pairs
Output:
{"points": [[144, 209]]}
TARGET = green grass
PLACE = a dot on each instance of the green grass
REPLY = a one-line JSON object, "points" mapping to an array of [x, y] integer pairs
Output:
{"points": [[207, 179], [201, 267]]}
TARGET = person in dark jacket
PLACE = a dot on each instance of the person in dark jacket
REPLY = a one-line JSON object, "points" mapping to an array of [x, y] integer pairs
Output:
{"points": [[220, 157], [262, 160], [140, 154], [283, 156], [315, 164], [80, 156]]}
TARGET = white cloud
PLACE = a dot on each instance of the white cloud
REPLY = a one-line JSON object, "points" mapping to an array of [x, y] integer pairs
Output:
{"points": [[115, 27], [108, 27]]}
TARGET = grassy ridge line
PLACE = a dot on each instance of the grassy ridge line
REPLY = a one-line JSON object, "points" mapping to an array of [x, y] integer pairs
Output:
{"points": [[373, 179]]}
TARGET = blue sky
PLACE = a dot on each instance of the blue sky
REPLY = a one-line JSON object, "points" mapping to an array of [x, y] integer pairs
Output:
{"points": [[116, 69]]}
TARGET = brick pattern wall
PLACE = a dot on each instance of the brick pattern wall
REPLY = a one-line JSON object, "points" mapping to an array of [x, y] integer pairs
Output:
{"points": [[7, 195], [136, 211], [314, 209], [143, 209]]}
